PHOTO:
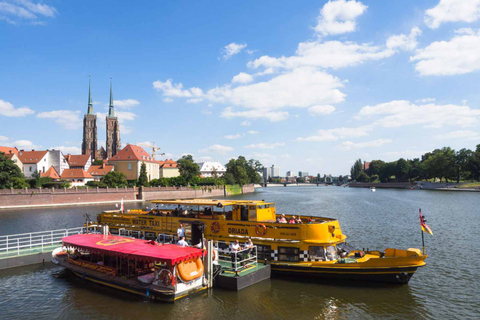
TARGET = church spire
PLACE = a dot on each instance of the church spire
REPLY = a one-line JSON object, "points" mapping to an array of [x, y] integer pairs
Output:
{"points": [[90, 104], [111, 111]]}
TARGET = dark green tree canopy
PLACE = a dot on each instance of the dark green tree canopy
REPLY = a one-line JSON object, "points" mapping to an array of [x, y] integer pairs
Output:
{"points": [[242, 172], [188, 168], [143, 179], [10, 174], [114, 179]]}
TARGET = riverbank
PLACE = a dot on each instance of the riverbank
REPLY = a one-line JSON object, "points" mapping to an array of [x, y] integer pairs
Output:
{"points": [[33, 198], [415, 185]]}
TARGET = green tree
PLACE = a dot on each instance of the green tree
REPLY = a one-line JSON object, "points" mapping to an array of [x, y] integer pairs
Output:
{"points": [[143, 179], [253, 168], [8, 171], [356, 169], [363, 177], [237, 171], [114, 179], [19, 183], [97, 162], [376, 166], [462, 164], [402, 170], [188, 168]]}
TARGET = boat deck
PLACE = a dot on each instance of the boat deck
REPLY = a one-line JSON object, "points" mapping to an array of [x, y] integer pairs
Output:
{"points": [[252, 274]]}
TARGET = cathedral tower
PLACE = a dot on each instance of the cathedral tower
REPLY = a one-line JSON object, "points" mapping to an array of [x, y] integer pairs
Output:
{"points": [[113, 129], [89, 143]]}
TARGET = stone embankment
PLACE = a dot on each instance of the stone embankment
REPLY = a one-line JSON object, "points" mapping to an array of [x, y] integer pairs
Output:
{"points": [[24, 198], [396, 185]]}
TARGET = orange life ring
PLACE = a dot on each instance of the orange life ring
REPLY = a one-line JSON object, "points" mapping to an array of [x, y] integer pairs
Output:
{"points": [[166, 277], [190, 270], [214, 255], [260, 229], [215, 227]]}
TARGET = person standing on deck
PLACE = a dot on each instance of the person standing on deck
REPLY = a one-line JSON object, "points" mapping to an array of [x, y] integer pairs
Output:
{"points": [[181, 231], [235, 247]]}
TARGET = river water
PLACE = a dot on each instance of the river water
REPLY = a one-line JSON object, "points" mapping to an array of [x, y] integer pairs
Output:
{"points": [[447, 288]]}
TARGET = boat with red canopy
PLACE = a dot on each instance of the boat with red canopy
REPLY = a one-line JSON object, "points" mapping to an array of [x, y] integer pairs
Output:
{"points": [[159, 272]]}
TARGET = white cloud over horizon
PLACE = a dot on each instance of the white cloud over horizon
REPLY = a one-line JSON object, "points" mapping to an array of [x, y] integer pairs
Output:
{"points": [[7, 109], [68, 119], [452, 11]]}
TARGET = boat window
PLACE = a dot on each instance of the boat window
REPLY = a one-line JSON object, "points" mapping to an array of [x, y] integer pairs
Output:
{"points": [[344, 248], [288, 254], [316, 253], [150, 236], [252, 215], [264, 252], [244, 213], [331, 253]]}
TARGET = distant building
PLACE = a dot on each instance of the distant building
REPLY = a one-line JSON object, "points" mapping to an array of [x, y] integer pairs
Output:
{"points": [[98, 171], [274, 171], [129, 161], [302, 174], [12, 154], [40, 161], [327, 178], [51, 173], [77, 177], [81, 161], [113, 129], [365, 166], [289, 174], [168, 168], [208, 168]]}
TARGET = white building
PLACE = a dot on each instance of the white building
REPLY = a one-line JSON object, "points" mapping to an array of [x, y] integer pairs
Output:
{"points": [[40, 161], [208, 168], [274, 171]]}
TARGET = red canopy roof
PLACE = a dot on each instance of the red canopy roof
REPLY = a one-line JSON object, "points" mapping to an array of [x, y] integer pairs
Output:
{"points": [[132, 248]]}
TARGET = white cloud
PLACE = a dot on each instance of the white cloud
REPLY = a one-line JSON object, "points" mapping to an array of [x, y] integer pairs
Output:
{"points": [[3, 138], [460, 134], [337, 134], [265, 145], [349, 145], [125, 104], [121, 115], [301, 87], [406, 154], [404, 42], [175, 90], [7, 109], [246, 123], [329, 54], [460, 55], [337, 17], [400, 113], [234, 136], [232, 49], [425, 100], [242, 77], [167, 100], [452, 11], [66, 150], [252, 132], [24, 145], [68, 119], [274, 116], [12, 11], [216, 148], [321, 110]]}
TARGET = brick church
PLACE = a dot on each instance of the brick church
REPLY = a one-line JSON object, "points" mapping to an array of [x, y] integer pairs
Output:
{"points": [[89, 144]]}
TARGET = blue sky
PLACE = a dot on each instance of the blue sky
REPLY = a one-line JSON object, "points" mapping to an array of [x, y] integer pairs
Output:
{"points": [[307, 85]]}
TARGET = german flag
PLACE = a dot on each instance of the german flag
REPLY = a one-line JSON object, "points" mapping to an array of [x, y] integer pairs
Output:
{"points": [[424, 226]]}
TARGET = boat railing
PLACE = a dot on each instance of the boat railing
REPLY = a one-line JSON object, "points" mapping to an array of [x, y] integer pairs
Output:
{"points": [[235, 261], [35, 242]]}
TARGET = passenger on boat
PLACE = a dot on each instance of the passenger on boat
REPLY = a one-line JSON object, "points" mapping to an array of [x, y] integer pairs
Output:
{"points": [[283, 219], [299, 220], [182, 242], [235, 247], [248, 246], [180, 231], [292, 219]]}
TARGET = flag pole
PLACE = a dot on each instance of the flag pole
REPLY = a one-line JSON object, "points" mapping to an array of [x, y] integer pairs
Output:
{"points": [[423, 242], [421, 230]]}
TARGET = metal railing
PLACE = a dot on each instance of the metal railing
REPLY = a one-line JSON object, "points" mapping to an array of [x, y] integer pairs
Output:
{"points": [[28, 243], [235, 260]]}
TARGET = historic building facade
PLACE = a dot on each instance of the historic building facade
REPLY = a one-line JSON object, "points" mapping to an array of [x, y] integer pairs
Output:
{"points": [[89, 144], [113, 129]]}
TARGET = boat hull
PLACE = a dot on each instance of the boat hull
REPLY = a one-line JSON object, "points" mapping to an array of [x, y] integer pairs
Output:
{"points": [[398, 275]]}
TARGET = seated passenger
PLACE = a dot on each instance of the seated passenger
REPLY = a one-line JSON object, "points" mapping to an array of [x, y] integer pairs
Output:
{"points": [[292, 219], [182, 242], [298, 220], [283, 219]]}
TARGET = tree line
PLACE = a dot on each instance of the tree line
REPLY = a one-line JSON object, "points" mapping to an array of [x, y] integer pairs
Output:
{"points": [[444, 164]]}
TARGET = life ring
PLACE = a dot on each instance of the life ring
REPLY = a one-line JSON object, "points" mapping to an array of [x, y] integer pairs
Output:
{"points": [[214, 255], [215, 227], [260, 229], [166, 277]]}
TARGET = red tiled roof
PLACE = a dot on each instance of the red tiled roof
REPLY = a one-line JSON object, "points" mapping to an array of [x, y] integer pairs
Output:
{"points": [[168, 163], [8, 150], [100, 170], [76, 174], [77, 160], [132, 152], [50, 173], [31, 156]]}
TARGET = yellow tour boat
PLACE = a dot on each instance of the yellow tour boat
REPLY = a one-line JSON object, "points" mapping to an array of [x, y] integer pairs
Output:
{"points": [[307, 246]]}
